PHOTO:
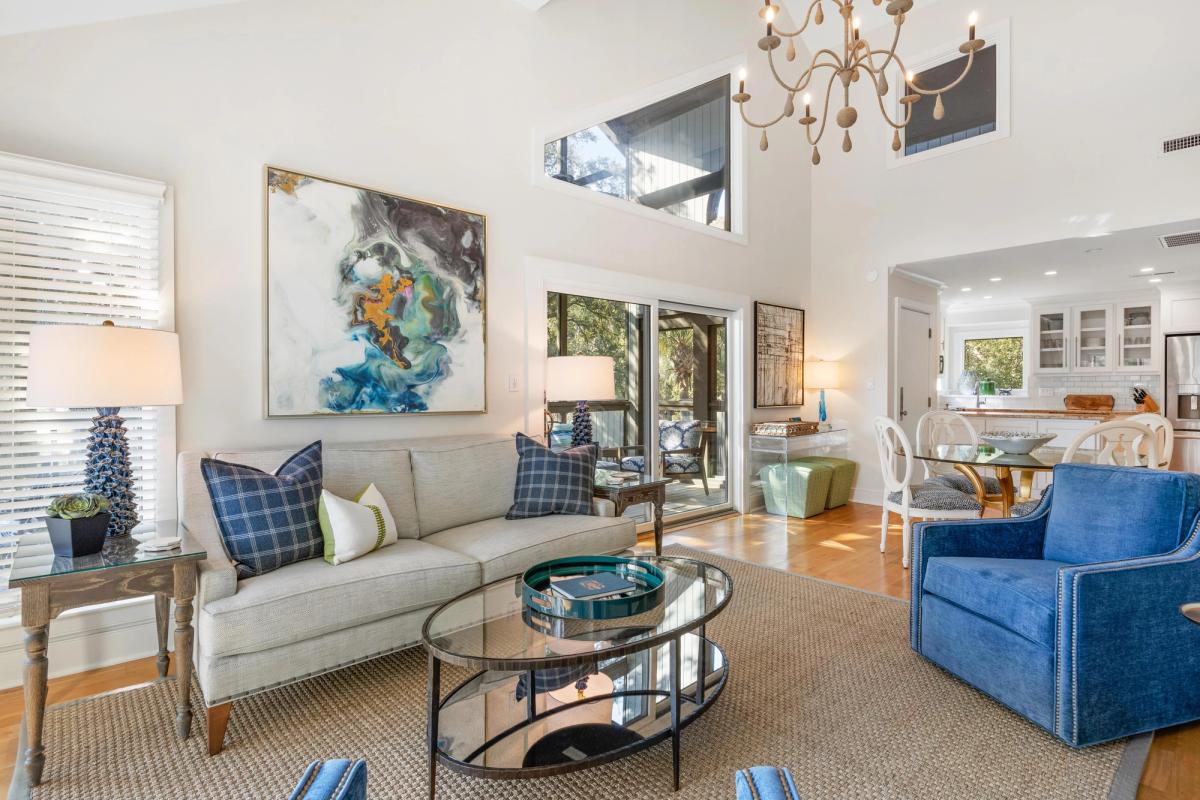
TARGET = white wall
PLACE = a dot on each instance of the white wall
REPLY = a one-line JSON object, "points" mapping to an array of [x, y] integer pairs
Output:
{"points": [[412, 97], [1090, 103]]}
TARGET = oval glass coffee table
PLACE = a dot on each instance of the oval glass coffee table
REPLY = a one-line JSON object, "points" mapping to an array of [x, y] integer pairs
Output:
{"points": [[553, 695]]}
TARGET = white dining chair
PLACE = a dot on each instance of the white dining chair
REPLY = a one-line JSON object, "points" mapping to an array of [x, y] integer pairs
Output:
{"points": [[907, 497], [945, 428], [1121, 443], [1164, 435]]}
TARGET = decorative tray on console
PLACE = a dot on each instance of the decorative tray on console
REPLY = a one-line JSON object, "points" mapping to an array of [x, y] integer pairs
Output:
{"points": [[647, 594]]}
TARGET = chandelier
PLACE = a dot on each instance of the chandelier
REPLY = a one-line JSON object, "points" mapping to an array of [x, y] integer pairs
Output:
{"points": [[856, 60]]}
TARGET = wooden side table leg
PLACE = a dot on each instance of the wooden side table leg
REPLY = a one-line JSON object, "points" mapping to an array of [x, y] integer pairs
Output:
{"points": [[35, 616], [185, 590], [162, 619], [659, 502]]}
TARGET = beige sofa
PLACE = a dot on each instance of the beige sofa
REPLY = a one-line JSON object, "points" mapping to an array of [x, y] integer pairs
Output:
{"points": [[448, 497]]}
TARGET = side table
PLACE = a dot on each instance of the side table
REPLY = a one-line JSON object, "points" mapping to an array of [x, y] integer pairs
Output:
{"points": [[631, 493], [119, 571]]}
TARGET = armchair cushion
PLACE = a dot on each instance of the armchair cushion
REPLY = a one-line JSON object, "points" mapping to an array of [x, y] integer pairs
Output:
{"points": [[1017, 594], [681, 435], [680, 464], [938, 498], [1114, 513]]}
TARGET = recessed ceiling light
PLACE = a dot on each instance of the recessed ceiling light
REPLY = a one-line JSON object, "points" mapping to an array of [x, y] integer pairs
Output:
{"points": [[966, 288], [1156, 280], [1050, 273], [995, 280], [1146, 269]]}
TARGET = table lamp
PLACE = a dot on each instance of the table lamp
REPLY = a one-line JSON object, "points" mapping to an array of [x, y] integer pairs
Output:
{"points": [[105, 367], [578, 379], [821, 375]]}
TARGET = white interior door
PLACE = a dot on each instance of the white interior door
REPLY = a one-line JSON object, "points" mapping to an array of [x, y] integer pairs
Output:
{"points": [[914, 367]]}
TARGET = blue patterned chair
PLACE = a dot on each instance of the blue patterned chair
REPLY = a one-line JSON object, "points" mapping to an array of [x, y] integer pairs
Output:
{"points": [[336, 779], [1069, 616], [682, 445]]}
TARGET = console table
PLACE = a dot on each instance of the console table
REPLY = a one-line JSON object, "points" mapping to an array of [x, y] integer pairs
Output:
{"points": [[119, 571]]}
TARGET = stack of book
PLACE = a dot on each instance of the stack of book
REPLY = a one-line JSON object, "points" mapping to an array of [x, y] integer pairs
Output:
{"points": [[600, 586]]}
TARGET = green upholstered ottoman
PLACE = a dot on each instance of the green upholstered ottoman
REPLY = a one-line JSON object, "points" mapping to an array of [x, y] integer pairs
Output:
{"points": [[795, 489], [843, 477]]}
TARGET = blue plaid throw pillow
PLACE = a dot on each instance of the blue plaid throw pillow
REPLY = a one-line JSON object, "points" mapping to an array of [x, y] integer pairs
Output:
{"points": [[552, 483], [267, 521]]}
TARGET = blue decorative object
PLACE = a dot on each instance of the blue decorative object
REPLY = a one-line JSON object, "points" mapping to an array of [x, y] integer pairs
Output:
{"points": [[821, 413], [552, 483], [765, 783], [1069, 615], [540, 598], [108, 472], [581, 425], [336, 779], [267, 521]]}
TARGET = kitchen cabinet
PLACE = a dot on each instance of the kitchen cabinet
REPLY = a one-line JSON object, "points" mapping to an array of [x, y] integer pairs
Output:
{"points": [[1097, 338]]}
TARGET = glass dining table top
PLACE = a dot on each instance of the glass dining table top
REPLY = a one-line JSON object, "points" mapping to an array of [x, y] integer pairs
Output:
{"points": [[982, 455]]}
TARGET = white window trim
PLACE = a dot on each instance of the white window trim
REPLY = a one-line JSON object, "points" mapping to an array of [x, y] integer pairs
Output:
{"points": [[998, 33], [546, 275], [586, 118], [957, 335]]}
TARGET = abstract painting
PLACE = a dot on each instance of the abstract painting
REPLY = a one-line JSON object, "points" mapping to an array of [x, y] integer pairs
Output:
{"points": [[375, 302], [778, 356]]}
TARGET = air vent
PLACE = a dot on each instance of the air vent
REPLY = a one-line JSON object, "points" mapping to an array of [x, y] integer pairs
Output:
{"points": [[1181, 143], [1180, 239]]}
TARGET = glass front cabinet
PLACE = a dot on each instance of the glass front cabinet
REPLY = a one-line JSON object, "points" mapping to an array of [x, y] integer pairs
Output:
{"points": [[1137, 334], [1050, 339], [1092, 341], [1097, 338]]}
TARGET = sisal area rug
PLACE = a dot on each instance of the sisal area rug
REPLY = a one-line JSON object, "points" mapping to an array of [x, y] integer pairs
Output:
{"points": [[822, 681]]}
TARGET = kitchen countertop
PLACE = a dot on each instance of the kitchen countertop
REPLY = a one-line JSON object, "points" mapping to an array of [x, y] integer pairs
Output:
{"points": [[1058, 413]]}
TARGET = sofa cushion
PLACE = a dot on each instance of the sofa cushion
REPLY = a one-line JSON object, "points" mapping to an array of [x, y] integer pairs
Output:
{"points": [[447, 476], [1018, 594], [509, 546], [350, 468], [552, 483], [311, 598], [1101, 513], [267, 520]]}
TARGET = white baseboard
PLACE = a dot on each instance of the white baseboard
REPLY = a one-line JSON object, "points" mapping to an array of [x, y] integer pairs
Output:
{"points": [[85, 638], [872, 497]]}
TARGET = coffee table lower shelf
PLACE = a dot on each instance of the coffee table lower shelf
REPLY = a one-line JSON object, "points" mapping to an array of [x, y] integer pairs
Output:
{"points": [[490, 726]]}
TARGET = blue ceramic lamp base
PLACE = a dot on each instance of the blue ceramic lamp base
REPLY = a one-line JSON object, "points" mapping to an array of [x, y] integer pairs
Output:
{"points": [[108, 471], [822, 415]]}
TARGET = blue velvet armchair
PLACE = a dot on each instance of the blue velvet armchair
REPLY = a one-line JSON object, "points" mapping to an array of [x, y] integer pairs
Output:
{"points": [[1069, 616]]}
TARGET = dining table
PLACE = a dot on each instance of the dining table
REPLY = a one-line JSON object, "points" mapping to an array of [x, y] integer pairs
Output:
{"points": [[969, 459]]}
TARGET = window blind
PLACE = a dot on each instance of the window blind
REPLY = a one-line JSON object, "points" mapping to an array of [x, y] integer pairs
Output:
{"points": [[74, 249]]}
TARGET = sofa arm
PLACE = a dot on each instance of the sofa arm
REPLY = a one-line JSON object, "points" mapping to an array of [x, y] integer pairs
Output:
{"points": [[218, 578], [1128, 661], [1022, 537], [603, 507], [765, 783], [336, 779]]}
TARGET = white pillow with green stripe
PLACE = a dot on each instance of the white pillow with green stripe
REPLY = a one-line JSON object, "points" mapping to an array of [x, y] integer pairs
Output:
{"points": [[353, 528]]}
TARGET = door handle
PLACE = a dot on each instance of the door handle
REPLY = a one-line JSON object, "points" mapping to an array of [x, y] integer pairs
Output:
{"points": [[903, 413]]}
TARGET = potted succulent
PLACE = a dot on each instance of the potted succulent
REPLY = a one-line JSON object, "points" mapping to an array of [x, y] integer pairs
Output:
{"points": [[77, 524]]}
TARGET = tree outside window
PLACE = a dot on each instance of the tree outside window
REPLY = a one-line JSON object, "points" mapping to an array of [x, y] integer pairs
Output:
{"points": [[1001, 360]]}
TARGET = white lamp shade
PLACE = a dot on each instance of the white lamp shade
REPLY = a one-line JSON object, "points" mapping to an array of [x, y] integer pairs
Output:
{"points": [[102, 366], [821, 374], [576, 378]]}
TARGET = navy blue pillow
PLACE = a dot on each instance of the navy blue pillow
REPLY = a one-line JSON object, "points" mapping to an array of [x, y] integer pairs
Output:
{"points": [[267, 521], [553, 483]]}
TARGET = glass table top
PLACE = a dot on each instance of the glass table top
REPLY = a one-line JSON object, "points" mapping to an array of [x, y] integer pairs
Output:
{"points": [[492, 627], [36, 561], [982, 455]]}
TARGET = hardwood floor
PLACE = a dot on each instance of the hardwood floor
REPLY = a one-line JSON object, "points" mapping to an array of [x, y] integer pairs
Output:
{"points": [[840, 546]]}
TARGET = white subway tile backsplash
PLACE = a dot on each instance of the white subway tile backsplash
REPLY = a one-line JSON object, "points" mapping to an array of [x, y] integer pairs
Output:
{"points": [[1119, 386]]}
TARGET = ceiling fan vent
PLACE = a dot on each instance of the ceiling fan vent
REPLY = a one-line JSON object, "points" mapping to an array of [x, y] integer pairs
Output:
{"points": [[1180, 143], [1180, 239]]}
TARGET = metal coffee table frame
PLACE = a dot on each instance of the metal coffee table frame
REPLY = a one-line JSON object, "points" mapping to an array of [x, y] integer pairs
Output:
{"points": [[702, 697]]}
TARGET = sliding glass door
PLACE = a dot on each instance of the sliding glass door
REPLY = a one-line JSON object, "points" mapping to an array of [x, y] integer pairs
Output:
{"points": [[670, 418]]}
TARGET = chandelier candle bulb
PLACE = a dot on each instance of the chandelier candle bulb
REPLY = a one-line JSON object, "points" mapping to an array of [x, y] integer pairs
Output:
{"points": [[974, 20]]}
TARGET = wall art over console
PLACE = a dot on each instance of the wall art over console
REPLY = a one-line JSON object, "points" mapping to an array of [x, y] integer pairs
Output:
{"points": [[778, 356], [375, 302]]}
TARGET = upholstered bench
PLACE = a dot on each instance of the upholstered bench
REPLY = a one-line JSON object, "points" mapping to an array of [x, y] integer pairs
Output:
{"points": [[842, 484], [796, 489]]}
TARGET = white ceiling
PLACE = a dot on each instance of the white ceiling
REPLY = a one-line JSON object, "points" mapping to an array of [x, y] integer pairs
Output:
{"points": [[1124, 261], [22, 16]]}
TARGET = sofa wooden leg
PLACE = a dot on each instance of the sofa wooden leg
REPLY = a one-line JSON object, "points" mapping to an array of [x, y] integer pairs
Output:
{"points": [[218, 720]]}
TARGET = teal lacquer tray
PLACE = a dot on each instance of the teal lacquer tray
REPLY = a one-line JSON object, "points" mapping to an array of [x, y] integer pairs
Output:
{"points": [[648, 578]]}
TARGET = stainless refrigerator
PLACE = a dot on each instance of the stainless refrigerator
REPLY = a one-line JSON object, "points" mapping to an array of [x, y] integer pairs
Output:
{"points": [[1182, 404]]}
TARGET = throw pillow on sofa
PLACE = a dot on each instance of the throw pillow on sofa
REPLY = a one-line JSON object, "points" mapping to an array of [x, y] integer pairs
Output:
{"points": [[552, 483], [353, 528], [266, 520]]}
